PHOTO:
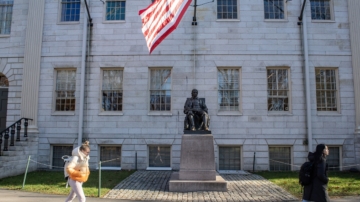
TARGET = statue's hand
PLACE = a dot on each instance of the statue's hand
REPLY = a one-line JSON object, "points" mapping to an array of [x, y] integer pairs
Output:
{"points": [[190, 113]]}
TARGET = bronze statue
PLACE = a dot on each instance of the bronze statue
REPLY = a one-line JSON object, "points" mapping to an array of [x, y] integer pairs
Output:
{"points": [[197, 117]]}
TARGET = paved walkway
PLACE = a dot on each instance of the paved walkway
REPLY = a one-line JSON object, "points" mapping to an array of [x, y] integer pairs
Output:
{"points": [[153, 185]]}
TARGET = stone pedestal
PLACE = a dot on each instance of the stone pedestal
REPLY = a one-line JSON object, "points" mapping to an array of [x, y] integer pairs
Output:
{"points": [[197, 166]]}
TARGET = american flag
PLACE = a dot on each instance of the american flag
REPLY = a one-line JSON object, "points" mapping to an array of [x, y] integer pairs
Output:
{"points": [[160, 18]]}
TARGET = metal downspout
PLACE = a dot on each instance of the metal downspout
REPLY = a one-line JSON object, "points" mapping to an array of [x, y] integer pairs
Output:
{"points": [[307, 80], [82, 84]]}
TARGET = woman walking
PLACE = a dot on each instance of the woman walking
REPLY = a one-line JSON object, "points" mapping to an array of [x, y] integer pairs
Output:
{"points": [[78, 170], [320, 181]]}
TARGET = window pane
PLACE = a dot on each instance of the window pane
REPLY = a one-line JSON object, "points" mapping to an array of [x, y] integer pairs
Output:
{"points": [[111, 155], [70, 10], [112, 90], [65, 90], [278, 90], [159, 156], [280, 158], [115, 10], [6, 9], [274, 9], [227, 9], [228, 91], [333, 160], [160, 90], [326, 92], [229, 158], [320, 9], [58, 152]]}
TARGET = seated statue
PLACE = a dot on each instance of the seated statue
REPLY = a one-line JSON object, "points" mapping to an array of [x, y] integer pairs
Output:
{"points": [[197, 117]]}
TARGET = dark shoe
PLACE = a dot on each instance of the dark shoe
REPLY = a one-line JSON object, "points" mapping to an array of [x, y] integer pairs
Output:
{"points": [[193, 128]]}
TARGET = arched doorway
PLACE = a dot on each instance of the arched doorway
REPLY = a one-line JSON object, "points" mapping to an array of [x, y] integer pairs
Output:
{"points": [[4, 89]]}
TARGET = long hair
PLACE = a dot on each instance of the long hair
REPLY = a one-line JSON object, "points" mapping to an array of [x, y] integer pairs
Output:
{"points": [[319, 153]]}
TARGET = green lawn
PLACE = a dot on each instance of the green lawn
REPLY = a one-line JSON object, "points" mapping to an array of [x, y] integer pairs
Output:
{"points": [[52, 182], [340, 184]]}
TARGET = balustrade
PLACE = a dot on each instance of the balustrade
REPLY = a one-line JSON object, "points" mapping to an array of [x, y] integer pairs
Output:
{"points": [[11, 129]]}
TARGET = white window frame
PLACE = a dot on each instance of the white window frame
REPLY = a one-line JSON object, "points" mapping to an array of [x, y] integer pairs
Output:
{"points": [[234, 112], [52, 152], [99, 157], [115, 113], [337, 92], [332, 13], [241, 160], [291, 155], [238, 12], [12, 11], [277, 20], [148, 157], [289, 112], [112, 21], [159, 113], [54, 112], [67, 22]]}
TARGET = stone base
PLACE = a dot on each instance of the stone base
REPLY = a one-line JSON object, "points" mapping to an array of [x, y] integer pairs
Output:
{"points": [[197, 174], [176, 185]]}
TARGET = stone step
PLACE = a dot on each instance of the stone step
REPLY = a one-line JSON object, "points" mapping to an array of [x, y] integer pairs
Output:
{"points": [[17, 162], [12, 158], [22, 148], [15, 153]]}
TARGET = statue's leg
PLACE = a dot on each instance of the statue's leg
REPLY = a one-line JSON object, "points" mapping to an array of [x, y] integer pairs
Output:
{"points": [[186, 123], [205, 121], [192, 123]]}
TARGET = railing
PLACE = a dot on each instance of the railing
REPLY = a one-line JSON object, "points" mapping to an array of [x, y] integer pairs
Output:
{"points": [[15, 126]]}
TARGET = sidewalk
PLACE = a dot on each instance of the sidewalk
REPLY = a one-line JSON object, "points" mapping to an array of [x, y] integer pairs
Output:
{"points": [[153, 186], [22, 196]]}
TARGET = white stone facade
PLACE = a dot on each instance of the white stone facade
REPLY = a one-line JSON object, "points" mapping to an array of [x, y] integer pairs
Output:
{"points": [[250, 43]]}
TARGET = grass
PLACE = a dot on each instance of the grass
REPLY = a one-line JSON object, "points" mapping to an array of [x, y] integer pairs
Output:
{"points": [[341, 183], [53, 182]]}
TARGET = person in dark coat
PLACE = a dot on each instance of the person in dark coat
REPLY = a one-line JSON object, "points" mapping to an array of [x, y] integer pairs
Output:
{"points": [[308, 188], [320, 181]]}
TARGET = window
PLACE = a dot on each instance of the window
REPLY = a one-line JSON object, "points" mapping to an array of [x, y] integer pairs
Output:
{"points": [[159, 156], [278, 89], [58, 152], [280, 158], [6, 8], [65, 90], [227, 9], [160, 90], [70, 10], [115, 10], [110, 156], [333, 160], [229, 158], [228, 91], [326, 89], [321, 9], [112, 93], [274, 9]]}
